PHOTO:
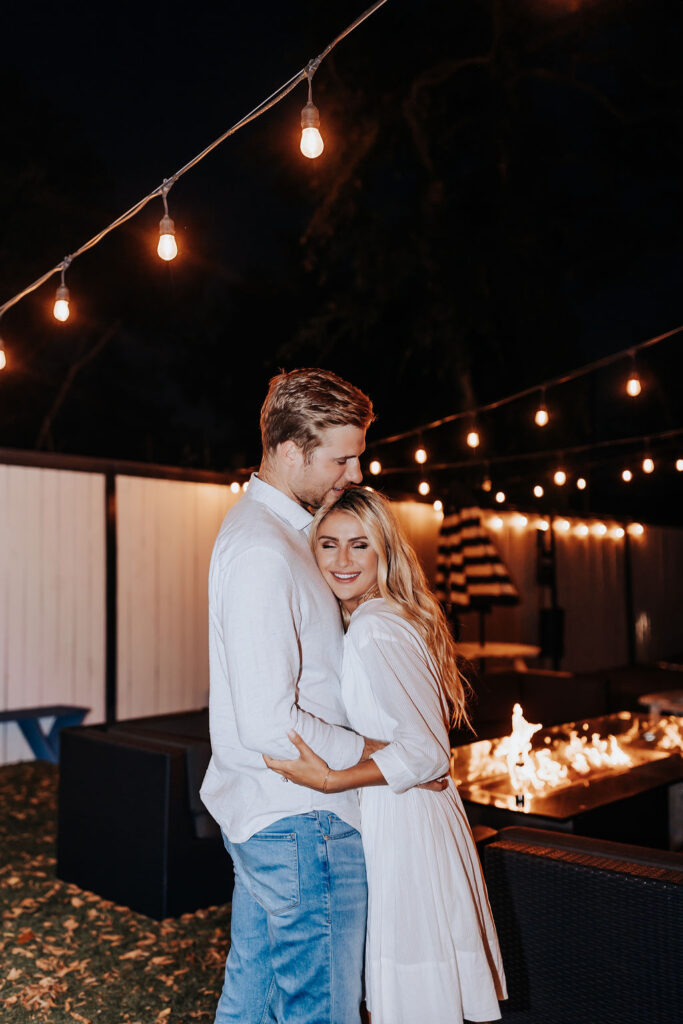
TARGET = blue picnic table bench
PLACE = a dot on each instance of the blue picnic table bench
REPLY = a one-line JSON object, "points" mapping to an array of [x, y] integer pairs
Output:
{"points": [[45, 746]]}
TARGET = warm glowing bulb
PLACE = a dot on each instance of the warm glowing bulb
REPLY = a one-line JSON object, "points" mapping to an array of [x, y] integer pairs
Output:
{"points": [[627, 476], [423, 487], [420, 455], [560, 477], [581, 483], [633, 385], [61, 306], [3, 357], [486, 485], [538, 491], [648, 465], [375, 467], [563, 525], [245, 485], [599, 529], [473, 439], [167, 247], [496, 523], [679, 465], [636, 529], [618, 532], [541, 417], [500, 497], [519, 521], [438, 506], [582, 530], [543, 525], [312, 143], [235, 487]]}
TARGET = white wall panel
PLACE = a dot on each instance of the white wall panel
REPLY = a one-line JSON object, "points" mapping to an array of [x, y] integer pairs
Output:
{"points": [[165, 534], [52, 578]]}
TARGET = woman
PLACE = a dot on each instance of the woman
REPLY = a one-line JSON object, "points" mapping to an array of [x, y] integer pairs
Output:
{"points": [[432, 952]]}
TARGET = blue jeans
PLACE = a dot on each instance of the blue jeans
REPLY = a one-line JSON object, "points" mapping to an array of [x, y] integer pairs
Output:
{"points": [[298, 924]]}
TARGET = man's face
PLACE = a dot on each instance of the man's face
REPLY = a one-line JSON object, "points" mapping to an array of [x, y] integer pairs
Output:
{"points": [[333, 465]]}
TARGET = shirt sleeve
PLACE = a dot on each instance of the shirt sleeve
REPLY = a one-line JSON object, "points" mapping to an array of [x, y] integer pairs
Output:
{"points": [[405, 687], [258, 612]]}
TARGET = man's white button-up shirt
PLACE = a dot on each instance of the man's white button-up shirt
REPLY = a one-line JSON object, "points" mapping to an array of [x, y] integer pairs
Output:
{"points": [[275, 652]]}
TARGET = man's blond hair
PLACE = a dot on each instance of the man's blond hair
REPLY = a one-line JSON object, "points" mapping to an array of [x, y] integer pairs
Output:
{"points": [[302, 403]]}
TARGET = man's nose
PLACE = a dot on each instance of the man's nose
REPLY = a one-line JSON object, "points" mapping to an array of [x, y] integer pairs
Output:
{"points": [[354, 473]]}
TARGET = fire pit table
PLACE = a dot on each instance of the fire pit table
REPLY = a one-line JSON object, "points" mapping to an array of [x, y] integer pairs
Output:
{"points": [[615, 777]]}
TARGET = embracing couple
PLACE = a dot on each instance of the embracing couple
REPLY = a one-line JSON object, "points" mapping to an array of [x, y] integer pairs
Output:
{"points": [[333, 685]]}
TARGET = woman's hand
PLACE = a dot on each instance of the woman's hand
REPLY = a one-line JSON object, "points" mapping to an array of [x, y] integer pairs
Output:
{"points": [[307, 770]]}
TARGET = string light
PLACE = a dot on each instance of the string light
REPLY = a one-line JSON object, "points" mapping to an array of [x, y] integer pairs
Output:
{"points": [[543, 525], [520, 521], [438, 506], [245, 486], [486, 484], [648, 465], [636, 529], [581, 530], [626, 476], [500, 497], [420, 455], [562, 525], [235, 487], [375, 467], [560, 477], [473, 439], [424, 488], [541, 416], [312, 143], [496, 523], [618, 532], [3, 356], [167, 248], [679, 465], [60, 310], [599, 529], [538, 491], [633, 385], [581, 483]]}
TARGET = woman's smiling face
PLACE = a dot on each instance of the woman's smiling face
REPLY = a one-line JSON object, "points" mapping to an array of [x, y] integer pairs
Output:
{"points": [[345, 558]]}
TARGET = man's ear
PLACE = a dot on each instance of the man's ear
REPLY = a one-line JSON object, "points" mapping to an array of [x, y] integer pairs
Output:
{"points": [[289, 452]]}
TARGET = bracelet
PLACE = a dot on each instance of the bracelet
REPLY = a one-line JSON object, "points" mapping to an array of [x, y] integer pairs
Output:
{"points": [[326, 780]]}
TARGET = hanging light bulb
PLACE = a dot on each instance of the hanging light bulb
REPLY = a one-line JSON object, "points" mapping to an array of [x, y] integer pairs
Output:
{"points": [[581, 483], [543, 525], [562, 525], [420, 455], [633, 385], [3, 357], [519, 521], [618, 532], [245, 486], [538, 491], [312, 143], [486, 484], [581, 530], [599, 529], [375, 467], [500, 497], [560, 477], [541, 416], [167, 248], [60, 310], [235, 487], [473, 439], [496, 523], [679, 465], [636, 529], [648, 465], [424, 488], [626, 476], [438, 506]]}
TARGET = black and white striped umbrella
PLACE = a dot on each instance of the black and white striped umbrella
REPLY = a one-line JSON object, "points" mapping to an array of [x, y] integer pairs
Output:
{"points": [[469, 570]]}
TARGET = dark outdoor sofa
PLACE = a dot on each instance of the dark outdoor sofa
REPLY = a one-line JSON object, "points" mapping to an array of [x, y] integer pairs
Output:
{"points": [[591, 932], [131, 825]]}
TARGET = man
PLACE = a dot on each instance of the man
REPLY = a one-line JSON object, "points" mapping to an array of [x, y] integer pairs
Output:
{"points": [[275, 644]]}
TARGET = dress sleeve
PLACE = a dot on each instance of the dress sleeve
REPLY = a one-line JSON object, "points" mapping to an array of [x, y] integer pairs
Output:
{"points": [[258, 619], [405, 687]]}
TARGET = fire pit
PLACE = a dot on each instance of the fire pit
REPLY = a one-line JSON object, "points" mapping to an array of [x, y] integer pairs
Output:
{"points": [[561, 774]]}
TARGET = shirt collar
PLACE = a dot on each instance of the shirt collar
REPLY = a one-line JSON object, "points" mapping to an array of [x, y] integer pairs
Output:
{"points": [[293, 513]]}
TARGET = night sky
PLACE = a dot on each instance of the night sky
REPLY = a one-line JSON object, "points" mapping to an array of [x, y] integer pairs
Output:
{"points": [[499, 201]]}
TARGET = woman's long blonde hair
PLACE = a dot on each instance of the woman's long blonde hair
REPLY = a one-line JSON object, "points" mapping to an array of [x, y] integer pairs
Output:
{"points": [[403, 585]]}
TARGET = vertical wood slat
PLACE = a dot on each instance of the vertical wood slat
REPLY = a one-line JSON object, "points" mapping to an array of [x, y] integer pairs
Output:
{"points": [[166, 530], [51, 594]]}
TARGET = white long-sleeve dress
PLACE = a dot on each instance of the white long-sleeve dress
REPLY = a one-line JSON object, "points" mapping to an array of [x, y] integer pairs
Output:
{"points": [[432, 953]]}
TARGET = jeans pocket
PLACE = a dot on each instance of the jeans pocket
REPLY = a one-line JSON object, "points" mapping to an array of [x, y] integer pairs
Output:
{"points": [[269, 866], [339, 829]]}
